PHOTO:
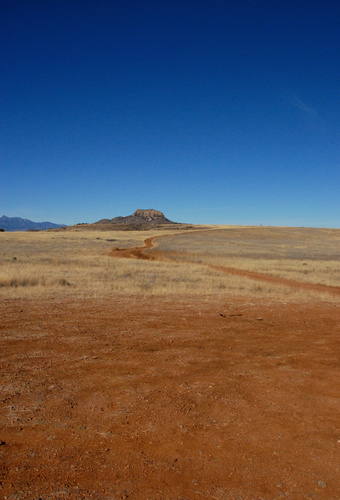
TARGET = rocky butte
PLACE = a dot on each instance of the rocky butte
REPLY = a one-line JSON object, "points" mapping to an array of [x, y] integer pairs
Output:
{"points": [[139, 217]]}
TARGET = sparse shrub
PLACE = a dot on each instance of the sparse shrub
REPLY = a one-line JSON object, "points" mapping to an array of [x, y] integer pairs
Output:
{"points": [[64, 282]]}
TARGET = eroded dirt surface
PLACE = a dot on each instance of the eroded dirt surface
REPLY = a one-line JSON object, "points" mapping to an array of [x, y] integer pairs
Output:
{"points": [[169, 399]]}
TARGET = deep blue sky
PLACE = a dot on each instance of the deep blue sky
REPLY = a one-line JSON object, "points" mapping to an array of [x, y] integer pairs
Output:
{"points": [[212, 111]]}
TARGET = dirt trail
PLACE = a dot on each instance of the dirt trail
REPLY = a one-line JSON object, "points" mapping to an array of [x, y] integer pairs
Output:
{"points": [[278, 281], [139, 253]]}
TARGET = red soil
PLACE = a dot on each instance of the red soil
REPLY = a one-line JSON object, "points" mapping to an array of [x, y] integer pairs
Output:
{"points": [[169, 399]]}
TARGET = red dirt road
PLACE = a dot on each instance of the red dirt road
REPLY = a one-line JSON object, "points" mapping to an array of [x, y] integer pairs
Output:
{"points": [[169, 399]]}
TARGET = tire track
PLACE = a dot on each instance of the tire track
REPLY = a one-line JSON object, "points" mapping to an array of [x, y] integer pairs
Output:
{"points": [[140, 253]]}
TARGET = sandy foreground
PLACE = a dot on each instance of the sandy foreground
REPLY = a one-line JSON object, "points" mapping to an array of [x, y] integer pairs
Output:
{"points": [[165, 398]]}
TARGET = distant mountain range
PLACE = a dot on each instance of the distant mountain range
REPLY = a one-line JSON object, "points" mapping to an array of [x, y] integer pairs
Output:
{"points": [[18, 224]]}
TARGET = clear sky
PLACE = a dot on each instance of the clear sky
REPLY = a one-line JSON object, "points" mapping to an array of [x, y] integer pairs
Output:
{"points": [[212, 111]]}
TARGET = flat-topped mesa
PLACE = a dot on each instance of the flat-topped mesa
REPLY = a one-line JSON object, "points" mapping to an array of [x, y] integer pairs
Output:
{"points": [[150, 215], [140, 217]]}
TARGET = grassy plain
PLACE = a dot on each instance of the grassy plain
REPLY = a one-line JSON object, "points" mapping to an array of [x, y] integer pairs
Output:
{"points": [[303, 254], [78, 263]]}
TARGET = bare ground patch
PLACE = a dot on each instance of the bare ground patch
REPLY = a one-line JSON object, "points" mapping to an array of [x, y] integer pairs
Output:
{"points": [[160, 398]]}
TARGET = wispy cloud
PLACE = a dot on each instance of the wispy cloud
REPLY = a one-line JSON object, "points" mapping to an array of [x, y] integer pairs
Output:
{"points": [[301, 105]]}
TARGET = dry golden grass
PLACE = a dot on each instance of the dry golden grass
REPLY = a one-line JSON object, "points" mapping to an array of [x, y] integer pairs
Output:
{"points": [[302, 254], [77, 264]]}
